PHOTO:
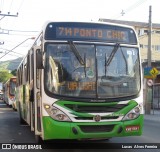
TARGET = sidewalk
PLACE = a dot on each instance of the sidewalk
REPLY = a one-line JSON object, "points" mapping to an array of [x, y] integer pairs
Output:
{"points": [[154, 116]]}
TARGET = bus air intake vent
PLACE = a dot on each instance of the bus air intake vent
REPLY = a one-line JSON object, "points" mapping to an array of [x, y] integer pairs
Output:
{"points": [[96, 128], [102, 118]]}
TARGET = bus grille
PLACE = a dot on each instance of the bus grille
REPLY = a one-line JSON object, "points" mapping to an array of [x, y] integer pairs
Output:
{"points": [[96, 128], [102, 118], [96, 109]]}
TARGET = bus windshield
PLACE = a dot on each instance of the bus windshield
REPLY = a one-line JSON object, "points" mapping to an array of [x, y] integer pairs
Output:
{"points": [[12, 87], [109, 71]]}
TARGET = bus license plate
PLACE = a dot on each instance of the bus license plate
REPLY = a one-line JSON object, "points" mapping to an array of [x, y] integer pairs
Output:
{"points": [[132, 128]]}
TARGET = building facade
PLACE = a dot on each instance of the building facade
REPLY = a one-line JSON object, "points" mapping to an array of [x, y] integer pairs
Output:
{"points": [[142, 32]]}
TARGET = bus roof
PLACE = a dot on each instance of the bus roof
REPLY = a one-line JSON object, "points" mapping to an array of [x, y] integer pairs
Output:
{"points": [[98, 22]]}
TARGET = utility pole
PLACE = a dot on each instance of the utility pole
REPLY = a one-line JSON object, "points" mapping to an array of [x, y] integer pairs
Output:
{"points": [[149, 89], [150, 36], [4, 15]]}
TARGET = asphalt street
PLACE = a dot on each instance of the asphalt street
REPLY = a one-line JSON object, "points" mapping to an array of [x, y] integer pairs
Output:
{"points": [[12, 132]]}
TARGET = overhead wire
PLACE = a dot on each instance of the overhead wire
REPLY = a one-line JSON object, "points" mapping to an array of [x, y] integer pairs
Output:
{"points": [[135, 5], [20, 5], [2, 4], [20, 31], [14, 6], [12, 3], [130, 8], [14, 55], [10, 6], [12, 51]]}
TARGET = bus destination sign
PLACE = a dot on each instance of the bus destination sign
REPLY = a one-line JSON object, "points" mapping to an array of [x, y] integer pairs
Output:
{"points": [[91, 33]]}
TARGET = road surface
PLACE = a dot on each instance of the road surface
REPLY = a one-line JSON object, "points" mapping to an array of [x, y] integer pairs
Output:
{"points": [[12, 132]]}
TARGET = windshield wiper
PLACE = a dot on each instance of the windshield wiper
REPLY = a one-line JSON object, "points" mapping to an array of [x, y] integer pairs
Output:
{"points": [[116, 47], [76, 53], [107, 62], [125, 60]]}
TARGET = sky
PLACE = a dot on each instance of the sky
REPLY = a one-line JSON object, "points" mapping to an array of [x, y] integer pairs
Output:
{"points": [[32, 14]]}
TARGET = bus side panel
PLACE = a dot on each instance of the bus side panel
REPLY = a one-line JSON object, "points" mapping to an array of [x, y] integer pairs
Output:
{"points": [[27, 104], [6, 92], [19, 100]]}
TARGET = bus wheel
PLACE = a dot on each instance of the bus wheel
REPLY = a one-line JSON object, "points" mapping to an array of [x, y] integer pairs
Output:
{"points": [[21, 120]]}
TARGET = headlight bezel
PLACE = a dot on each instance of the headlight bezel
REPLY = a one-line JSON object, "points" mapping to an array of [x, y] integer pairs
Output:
{"points": [[56, 114], [134, 113]]}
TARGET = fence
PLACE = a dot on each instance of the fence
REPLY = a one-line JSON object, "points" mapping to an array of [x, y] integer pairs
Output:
{"points": [[156, 96]]}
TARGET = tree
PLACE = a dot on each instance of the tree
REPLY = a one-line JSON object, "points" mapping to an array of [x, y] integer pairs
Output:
{"points": [[4, 76], [14, 72]]}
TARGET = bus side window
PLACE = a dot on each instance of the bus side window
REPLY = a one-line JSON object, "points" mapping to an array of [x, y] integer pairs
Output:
{"points": [[39, 60], [31, 92]]}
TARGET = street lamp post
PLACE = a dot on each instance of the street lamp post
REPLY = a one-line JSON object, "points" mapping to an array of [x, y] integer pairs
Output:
{"points": [[32, 38]]}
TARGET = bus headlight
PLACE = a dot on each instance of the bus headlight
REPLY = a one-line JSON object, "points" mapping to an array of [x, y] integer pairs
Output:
{"points": [[134, 113], [56, 113]]}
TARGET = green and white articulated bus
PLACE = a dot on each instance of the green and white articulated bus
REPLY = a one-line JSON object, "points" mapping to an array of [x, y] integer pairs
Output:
{"points": [[82, 80]]}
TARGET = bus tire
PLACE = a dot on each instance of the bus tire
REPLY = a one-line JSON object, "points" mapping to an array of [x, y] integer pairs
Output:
{"points": [[21, 120]]}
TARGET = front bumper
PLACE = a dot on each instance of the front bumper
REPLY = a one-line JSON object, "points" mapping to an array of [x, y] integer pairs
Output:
{"points": [[90, 130]]}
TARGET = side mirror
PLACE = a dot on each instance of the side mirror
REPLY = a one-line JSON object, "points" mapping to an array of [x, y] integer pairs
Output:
{"points": [[39, 60]]}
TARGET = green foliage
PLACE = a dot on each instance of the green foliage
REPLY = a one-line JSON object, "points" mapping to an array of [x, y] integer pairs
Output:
{"points": [[10, 65], [14, 72], [4, 76], [6, 66], [14, 64]]}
